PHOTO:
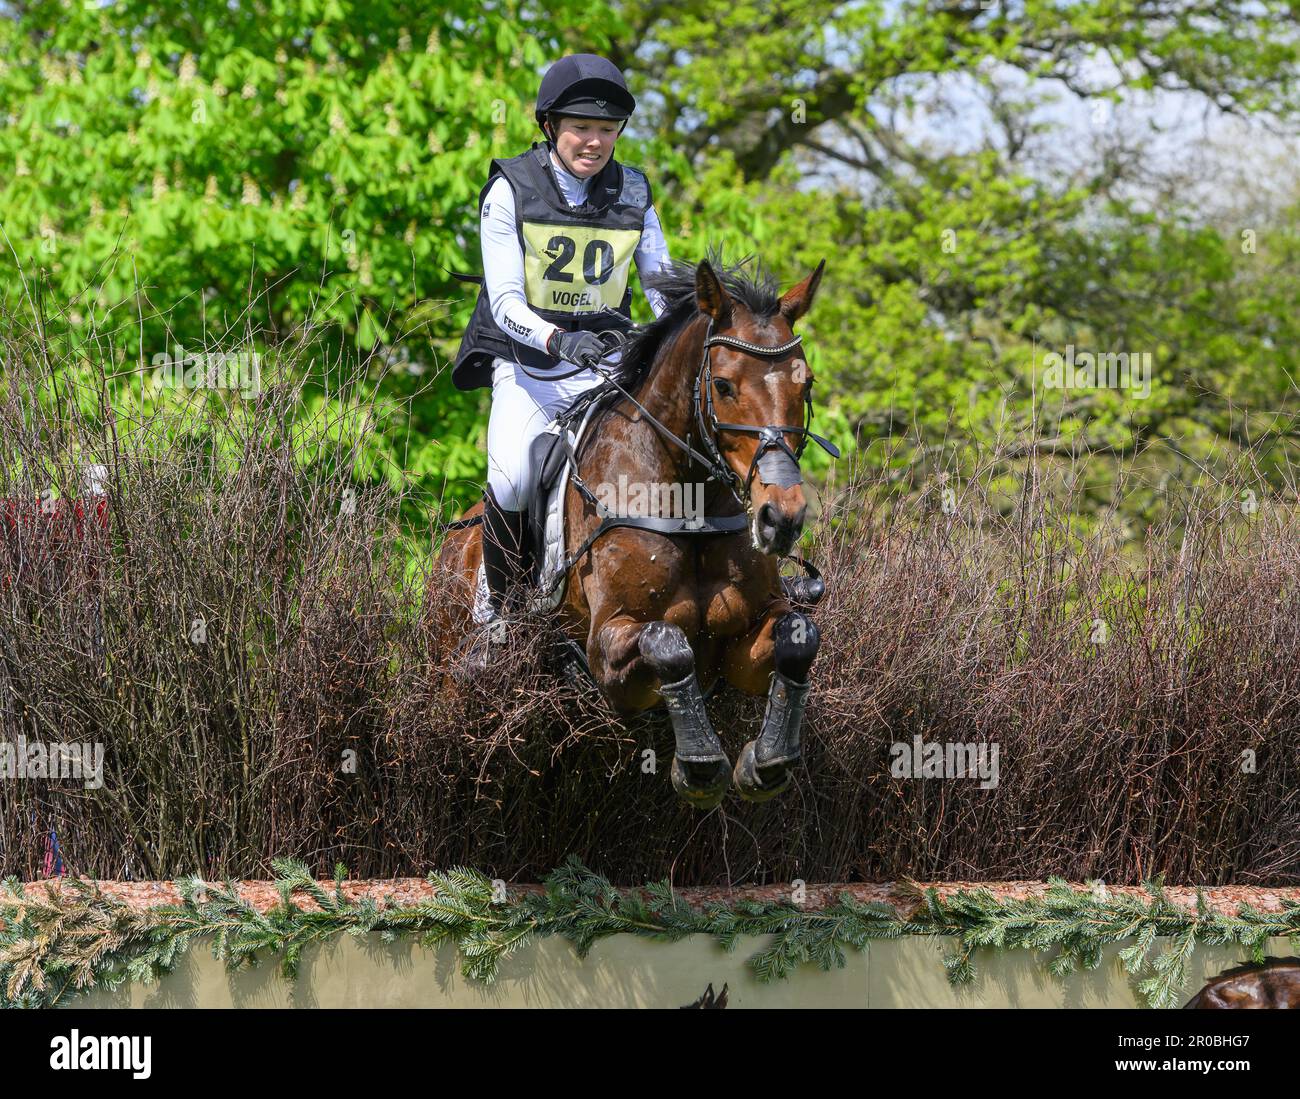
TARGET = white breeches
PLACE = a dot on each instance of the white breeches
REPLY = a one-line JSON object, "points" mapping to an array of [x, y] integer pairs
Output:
{"points": [[521, 409]]}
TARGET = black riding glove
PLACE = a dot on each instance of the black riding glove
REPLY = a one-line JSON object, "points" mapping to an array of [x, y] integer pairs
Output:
{"points": [[582, 348]]}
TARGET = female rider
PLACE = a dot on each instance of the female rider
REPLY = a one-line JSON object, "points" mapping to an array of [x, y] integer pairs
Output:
{"points": [[561, 225]]}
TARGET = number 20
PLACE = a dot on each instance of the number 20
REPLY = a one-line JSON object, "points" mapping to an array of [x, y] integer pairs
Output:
{"points": [[596, 251]]}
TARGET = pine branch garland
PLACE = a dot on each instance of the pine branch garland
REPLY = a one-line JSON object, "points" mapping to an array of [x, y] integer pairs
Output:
{"points": [[54, 947]]}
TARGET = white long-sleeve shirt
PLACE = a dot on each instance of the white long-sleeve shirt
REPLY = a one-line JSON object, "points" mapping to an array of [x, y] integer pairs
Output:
{"points": [[503, 258]]}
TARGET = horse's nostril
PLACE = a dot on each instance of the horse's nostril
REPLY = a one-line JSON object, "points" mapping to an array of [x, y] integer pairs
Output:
{"points": [[767, 516]]}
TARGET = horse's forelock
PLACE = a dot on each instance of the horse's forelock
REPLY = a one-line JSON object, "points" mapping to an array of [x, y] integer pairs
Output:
{"points": [[757, 292]]}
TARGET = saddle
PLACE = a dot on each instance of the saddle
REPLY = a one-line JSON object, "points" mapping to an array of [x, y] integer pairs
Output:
{"points": [[544, 564], [548, 459]]}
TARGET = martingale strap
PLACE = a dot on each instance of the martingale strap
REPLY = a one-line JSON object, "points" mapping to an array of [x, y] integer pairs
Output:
{"points": [[698, 525]]}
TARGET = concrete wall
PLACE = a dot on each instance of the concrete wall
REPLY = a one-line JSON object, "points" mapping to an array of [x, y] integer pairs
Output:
{"points": [[629, 972]]}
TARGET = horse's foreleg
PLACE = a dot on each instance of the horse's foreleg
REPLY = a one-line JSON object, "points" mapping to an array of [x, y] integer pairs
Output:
{"points": [[660, 651], [781, 647]]}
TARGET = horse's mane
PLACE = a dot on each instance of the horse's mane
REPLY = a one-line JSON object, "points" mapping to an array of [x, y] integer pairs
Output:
{"points": [[759, 293]]}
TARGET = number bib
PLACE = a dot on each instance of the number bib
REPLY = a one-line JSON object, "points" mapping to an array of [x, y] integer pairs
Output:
{"points": [[576, 268], [577, 260]]}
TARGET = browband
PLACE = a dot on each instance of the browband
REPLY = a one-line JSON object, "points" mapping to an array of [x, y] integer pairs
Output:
{"points": [[755, 348]]}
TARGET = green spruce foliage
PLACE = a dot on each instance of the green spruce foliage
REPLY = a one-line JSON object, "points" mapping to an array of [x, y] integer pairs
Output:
{"points": [[52, 947]]}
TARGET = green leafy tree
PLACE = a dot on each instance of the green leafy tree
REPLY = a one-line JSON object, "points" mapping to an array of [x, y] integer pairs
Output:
{"points": [[205, 173], [214, 174], [962, 253]]}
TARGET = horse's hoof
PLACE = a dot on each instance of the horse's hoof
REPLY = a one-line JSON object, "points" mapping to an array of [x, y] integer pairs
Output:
{"points": [[760, 783], [701, 785]]}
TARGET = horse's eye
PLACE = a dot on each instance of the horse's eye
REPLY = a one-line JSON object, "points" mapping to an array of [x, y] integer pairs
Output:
{"points": [[724, 387]]}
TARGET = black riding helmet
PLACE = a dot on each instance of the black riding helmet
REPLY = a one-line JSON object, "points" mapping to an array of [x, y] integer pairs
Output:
{"points": [[583, 85]]}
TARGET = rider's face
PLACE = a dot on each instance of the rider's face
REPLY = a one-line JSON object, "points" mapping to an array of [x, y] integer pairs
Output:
{"points": [[585, 144]]}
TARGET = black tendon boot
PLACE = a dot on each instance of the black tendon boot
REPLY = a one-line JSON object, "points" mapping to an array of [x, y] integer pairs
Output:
{"points": [[503, 558]]}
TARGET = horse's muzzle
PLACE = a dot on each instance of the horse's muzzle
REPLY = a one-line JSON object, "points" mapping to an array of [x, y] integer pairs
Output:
{"points": [[776, 529]]}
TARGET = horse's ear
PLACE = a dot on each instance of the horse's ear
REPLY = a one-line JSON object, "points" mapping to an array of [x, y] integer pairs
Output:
{"points": [[798, 300], [712, 297]]}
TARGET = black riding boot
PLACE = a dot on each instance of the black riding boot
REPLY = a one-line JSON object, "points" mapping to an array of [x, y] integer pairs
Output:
{"points": [[503, 543], [503, 549]]}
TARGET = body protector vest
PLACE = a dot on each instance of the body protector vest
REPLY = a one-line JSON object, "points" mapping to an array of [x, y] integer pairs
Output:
{"points": [[577, 260]]}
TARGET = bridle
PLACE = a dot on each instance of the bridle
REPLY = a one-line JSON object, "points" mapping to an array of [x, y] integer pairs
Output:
{"points": [[773, 460], [768, 460]]}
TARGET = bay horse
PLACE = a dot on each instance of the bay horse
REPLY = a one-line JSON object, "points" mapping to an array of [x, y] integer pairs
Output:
{"points": [[661, 617]]}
